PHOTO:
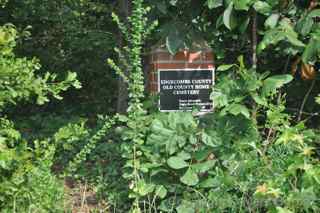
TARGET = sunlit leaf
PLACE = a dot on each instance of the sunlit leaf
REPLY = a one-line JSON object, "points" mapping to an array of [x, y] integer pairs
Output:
{"points": [[190, 178]]}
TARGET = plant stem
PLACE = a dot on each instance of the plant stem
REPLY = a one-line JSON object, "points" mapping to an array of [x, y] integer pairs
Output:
{"points": [[305, 99]]}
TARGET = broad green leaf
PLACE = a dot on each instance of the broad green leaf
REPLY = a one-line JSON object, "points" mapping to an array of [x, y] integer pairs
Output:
{"points": [[259, 100], [158, 127], [204, 166], [186, 207], [292, 38], [283, 32], [311, 51], [237, 109], [174, 42], [207, 139], [242, 4], [271, 84], [225, 67], [202, 154], [184, 155], [210, 183], [219, 99], [214, 3], [314, 13], [290, 34], [227, 16], [306, 26], [272, 21], [161, 191], [190, 178], [271, 37], [262, 7], [243, 26], [177, 163], [144, 188]]}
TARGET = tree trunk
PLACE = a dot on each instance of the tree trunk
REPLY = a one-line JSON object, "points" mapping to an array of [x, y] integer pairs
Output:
{"points": [[254, 40], [122, 99]]}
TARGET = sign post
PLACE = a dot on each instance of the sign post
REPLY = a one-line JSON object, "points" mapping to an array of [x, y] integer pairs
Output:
{"points": [[185, 89], [184, 81]]}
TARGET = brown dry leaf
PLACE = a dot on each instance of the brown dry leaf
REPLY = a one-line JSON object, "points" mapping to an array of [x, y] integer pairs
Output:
{"points": [[262, 189], [307, 72]]}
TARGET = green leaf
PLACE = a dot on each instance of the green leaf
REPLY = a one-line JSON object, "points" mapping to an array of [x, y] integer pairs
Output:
{"points": [[283, 210], [225, 67], [311, 51], [242, 4], [262, 7], [272, 21], [292, 38], [177, 163], [190, 178], [271, 84], [204, 166], [314, 13], [210, 183], [318, 99], [283, 32], [272, 36], [174, 42], [214, 3], [143, 188], [158, 127], [186, 207], [243, 26], [173, 2], [304, 25], [202, 154], [219, 21], [161, 191], [227, 16], [184, 155], [236, 109], [259, 100], [207, 139], [161, 6]]}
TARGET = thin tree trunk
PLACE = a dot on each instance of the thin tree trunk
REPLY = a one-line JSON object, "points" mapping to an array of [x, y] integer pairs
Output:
{"points": [[122, 99], [254, 40], [254, 58]]}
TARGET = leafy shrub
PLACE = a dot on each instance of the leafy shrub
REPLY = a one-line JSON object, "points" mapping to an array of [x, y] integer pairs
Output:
{"points": [[26, 181], [237, 159]]}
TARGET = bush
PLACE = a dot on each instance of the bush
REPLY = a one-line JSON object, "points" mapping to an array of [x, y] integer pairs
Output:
{"points": [[238, 159], [26, 181]]}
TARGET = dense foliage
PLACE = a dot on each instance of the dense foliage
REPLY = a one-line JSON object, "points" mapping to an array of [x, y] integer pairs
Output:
{"points": [[27, 183], [257, 152]]}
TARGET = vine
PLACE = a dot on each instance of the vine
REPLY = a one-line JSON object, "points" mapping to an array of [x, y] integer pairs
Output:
{"points": [[82, 155], [135, 32]]}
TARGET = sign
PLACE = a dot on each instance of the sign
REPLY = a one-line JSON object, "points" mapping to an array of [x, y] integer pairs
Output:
{"points": [[185, 89]]}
